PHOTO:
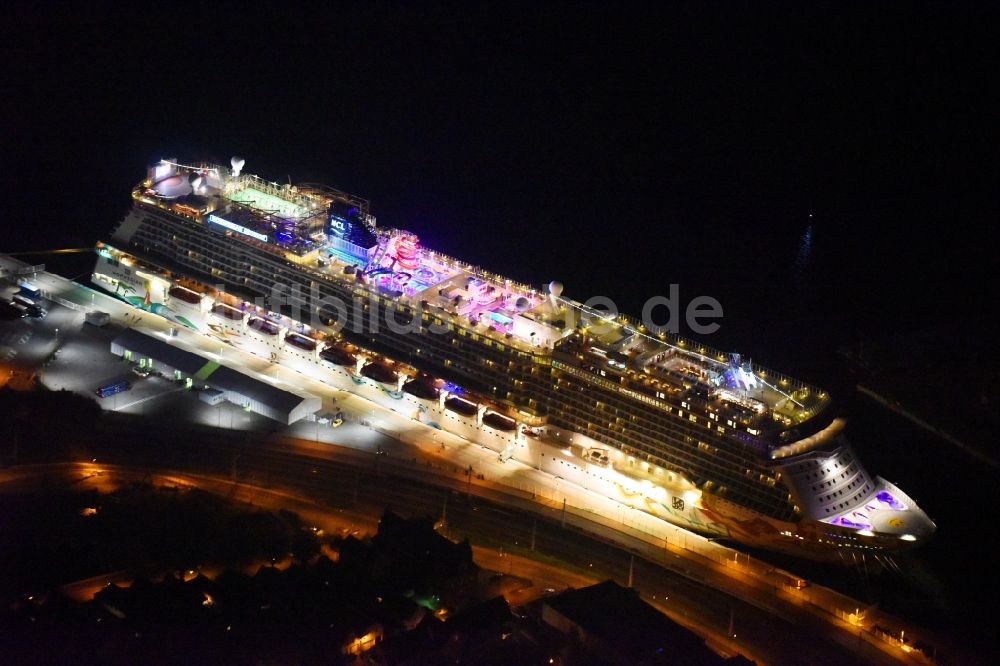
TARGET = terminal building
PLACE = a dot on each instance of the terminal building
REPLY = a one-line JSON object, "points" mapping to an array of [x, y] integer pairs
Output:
{"points": [[221, 382]]}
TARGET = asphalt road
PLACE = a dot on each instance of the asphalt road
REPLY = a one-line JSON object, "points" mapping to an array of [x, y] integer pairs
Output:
{"points": [[359, 484]]}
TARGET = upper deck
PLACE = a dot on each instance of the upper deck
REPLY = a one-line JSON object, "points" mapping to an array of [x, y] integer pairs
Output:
{"points": [[671, 369], [291, 223], [295, 223]]}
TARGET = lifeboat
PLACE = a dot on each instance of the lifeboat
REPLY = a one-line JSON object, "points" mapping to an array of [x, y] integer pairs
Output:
{"points": [[263, 326], [499, 421], [338, 355], [227, 311], [184, 294], [422, 388], [461, 406], [301, 342], [380, 372]]}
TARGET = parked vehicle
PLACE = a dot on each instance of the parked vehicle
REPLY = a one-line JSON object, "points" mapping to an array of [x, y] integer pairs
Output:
{"points": [[111, 389], [97, 318], [30, 291]]}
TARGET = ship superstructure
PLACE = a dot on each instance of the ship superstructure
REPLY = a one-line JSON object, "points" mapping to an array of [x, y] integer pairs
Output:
{"points": [[740, 450]]}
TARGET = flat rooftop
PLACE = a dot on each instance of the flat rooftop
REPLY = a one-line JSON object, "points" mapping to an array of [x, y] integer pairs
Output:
{"points": [[215, 375]]}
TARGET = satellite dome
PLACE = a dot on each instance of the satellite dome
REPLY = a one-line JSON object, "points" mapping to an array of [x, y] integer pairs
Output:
{"points": [[237, 164], [172, 187], [522, 304], [556, 288]]}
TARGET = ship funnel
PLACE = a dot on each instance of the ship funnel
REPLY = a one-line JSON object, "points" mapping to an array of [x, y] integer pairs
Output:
{"points": [[237, 164]]}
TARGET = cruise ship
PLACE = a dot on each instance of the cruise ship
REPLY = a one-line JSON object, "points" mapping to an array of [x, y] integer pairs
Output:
{"points": [[704, 439]]}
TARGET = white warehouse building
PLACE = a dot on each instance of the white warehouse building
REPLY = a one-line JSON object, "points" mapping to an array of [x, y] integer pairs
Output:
{"points": [[258, 396]]}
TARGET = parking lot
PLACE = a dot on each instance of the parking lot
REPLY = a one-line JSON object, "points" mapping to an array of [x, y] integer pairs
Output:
{"points": [[25, 343], [65, 353]]}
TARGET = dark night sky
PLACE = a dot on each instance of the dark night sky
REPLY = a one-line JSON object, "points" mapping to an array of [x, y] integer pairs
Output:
{"points": [[615, 149]]}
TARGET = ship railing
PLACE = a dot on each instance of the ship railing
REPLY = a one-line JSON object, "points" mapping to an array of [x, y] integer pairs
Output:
{"points": [[570, 364], [777, 381], [482, 273], [635, 528], [362, 204], [371, 291]]}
